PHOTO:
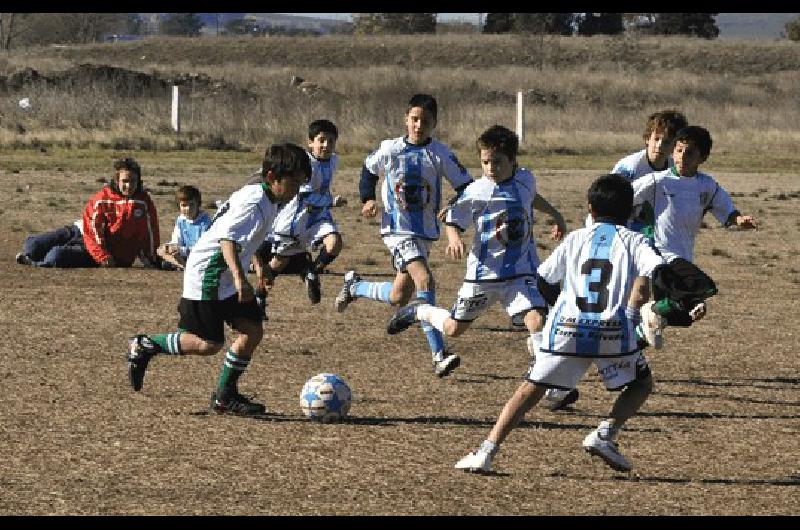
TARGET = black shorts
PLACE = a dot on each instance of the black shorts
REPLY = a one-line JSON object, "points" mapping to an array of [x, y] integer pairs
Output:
{"points": [[207, 318]]}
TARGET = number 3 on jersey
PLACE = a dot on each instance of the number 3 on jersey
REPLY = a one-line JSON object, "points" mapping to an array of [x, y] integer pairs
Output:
{"points": [[599, 288]]}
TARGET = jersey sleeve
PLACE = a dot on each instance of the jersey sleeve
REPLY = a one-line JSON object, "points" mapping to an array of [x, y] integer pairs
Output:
{"points": [[720, 205], [645, 258], [376, 160], [238, 224], [456, 174], [463, 212], [622, 168], [554, 268], [643, 189]]}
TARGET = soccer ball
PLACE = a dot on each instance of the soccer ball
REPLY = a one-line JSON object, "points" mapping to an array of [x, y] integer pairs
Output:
{"points": [[325, 398]]}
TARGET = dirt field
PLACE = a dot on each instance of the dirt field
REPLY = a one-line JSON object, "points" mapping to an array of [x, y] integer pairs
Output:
{"points": [[719, 435]]}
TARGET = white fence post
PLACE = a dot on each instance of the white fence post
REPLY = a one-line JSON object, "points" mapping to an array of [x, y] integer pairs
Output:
{"points": [[520, 117], [176, 114]]}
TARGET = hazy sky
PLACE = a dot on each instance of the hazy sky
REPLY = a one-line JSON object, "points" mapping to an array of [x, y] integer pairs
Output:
{"points": [[470, 17]]}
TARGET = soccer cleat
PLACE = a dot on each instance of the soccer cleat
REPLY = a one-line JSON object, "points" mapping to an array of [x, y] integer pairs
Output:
{"points": [[22, 259], [445, 366], [236, 404], [606, 449], [140, 350], [477, 462], [344, 297], [652, 326], [311, 279], [557, 399], [404, 317]]}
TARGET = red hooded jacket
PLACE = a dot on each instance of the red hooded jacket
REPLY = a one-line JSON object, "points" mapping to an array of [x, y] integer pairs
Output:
{"points": [[120, 226]]}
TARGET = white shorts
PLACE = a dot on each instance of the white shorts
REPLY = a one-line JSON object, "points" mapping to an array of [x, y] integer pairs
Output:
{"points": [[299, 227], [518, 296], [405, 249], [564, 371]]}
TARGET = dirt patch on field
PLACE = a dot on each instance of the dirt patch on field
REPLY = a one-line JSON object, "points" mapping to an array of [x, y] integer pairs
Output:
{"points": [[719, 436]]}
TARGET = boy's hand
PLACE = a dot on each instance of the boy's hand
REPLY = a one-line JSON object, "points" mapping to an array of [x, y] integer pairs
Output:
{"points": [[370, 209], [171, 249], [455, 249], [557, 232], [746, 221], [108, 262], [442, 215], [244, 289]]}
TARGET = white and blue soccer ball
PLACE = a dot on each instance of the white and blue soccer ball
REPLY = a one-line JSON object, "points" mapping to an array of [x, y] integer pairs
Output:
{"points": [[325, 398]]}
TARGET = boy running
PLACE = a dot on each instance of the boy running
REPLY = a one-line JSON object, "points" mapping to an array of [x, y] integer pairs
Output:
{"points": [[215, 287], [590, 323], [502, 262], [412, 167]]}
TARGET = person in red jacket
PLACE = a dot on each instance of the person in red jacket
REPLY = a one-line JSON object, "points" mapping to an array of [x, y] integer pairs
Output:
{"points": [[119, 224]]}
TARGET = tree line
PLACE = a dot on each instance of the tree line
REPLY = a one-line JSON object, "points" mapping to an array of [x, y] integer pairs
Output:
{"points": [[26, 29]]}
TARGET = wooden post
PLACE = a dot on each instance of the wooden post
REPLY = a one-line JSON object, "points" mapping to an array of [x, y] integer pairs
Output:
{"points": [[520, 117], [176, 114]]}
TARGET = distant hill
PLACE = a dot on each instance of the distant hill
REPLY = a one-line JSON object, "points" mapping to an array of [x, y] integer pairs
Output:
{"points": [[753, 25]]}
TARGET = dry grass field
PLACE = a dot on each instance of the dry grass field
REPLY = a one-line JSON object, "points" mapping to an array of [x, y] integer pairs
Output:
{"points": [[718, 436]]}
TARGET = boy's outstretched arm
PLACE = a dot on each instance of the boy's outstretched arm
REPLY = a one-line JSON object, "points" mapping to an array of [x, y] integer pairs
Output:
{"points": [[560, 227], [231, 257], [366, 190]]}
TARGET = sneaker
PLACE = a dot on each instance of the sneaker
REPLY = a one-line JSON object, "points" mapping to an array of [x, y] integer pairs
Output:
{"points": [[557, 399], [478, 462], [22, 259], [311, 279], [652, 325], [140, 350], [236, 404], [344, 297], [404, 317], [445, 366], [607, 450]]}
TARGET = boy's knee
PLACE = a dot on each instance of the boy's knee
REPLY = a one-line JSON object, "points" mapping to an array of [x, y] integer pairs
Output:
{"points": [[534, 319], [643, 384], [207, 347]]}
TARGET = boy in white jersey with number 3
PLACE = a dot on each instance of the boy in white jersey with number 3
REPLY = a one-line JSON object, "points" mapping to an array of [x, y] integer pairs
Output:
{"points": [[413, 167], [590, 323], [215, 286], [502, 262]]}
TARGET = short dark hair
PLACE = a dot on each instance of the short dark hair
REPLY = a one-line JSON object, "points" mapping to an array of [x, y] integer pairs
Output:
{"points": [[669, 121], [500, 139], [425, 101], [187, 193], [318, 126], [286, 159], [611, 196], [130, 164], [697, 136]]}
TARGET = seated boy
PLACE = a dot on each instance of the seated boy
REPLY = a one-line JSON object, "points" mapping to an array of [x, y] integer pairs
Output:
{"points": [[189, 226], [591, 323]]}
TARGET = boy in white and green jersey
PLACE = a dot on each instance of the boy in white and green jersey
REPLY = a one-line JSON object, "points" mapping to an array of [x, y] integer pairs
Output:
{"points": [[215, 287]]}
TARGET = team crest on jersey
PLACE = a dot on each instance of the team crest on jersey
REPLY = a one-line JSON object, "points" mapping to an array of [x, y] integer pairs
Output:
{"points": [[511, 226], [412, 195]]}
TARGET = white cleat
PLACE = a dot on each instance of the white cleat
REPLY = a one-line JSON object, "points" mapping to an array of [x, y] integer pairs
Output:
{"points": [[446, 366], [652, 326], [607, 450], [479, 462], [344, 297]]}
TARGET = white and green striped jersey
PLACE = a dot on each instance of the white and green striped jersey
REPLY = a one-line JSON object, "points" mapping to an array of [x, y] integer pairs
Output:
{"points": [[675, 206], [245, 218]]}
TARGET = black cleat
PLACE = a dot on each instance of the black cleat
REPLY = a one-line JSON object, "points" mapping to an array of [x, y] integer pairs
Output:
{"points": [[140, 350], [404, 317], [311, 279], [236, 404]]}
